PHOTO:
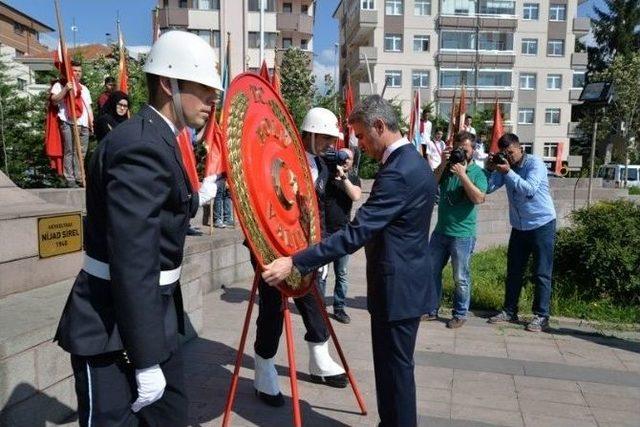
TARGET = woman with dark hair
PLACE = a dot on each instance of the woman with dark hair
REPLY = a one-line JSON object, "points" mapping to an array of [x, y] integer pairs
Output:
{"points": [[114, 112]]}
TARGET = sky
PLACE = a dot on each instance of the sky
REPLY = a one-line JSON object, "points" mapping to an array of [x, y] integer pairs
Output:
{"points": [[95, 18]]}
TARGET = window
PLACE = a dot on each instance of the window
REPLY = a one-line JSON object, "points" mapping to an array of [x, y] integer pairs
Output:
{"points": [[21, 84], [182, 4], [552, 116], [550, 150], [165, 3], [304, 44], [367, 5], [531, 11], [457, 40], [393, 7], [393, 42], [555, 48], [579, 79], [495, 41], [420, 78], [455, 78], [208, 4], [527, 147], [19, 53], [269, 40], [287, 8], [304, 9], [529, 46], [458, 7], [528, 81], [254, 5], [554, 81], [494, 78], [557, 12], [211, 38], [526, 116], [422, 7], [497, 7], [421, 43], [18, 28], [393, 78], [287, 43]]}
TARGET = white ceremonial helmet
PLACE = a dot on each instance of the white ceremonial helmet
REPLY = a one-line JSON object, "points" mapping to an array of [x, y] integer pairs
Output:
{"points": [[183, 56], [320, 120], [180, 55]]}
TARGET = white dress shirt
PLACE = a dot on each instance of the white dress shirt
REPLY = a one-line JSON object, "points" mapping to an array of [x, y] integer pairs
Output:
{"points": [[393, 147]]}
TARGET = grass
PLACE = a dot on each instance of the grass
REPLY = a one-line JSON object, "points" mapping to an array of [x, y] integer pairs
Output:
{"points": [[634, 191], [488, 273]]}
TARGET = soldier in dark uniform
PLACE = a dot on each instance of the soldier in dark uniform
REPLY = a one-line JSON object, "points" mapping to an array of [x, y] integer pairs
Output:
{"points": [[123, 316], [319, 131]]}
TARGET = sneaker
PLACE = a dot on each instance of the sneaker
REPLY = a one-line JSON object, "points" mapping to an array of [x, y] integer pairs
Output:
{"points": [[429, 317], [230, 224], [537, 324], [72, 184], [456, 323], [503, 317], [218, 224], [341, 316]]}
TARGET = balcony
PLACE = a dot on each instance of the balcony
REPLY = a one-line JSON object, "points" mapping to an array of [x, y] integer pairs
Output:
{"points": [[485, 22], [503, 94], [173, 17], [453, 58], [357, 60], [361, 25], [579, 60], [364, 89], [574, 96], [295, 22], [581, 26]]}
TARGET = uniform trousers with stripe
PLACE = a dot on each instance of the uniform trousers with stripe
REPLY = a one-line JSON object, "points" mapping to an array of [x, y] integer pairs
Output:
{"points": [[106, 388]]}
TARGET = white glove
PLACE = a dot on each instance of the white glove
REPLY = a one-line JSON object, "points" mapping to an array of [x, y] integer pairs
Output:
{"points": [[324, 272], [208, 189], [151, 384]]}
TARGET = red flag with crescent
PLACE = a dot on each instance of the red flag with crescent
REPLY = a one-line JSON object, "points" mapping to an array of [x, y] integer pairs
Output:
{"points": [[188, 157]]}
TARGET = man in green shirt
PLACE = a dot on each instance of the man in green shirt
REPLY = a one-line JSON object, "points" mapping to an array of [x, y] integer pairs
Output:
{"points": [[462, 186]]}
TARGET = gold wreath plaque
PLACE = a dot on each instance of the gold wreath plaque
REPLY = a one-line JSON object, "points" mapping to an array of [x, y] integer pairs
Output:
{"points": [[268, 176]]}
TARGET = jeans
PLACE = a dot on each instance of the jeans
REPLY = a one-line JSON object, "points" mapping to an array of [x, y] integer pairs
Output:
{"points": [[522, 244], [341, 286], [222, 208], [70, 159], [459, 249]]}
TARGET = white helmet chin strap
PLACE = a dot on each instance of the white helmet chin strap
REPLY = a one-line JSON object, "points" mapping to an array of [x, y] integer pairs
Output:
{"points": [[313, 144], [177, 103]]}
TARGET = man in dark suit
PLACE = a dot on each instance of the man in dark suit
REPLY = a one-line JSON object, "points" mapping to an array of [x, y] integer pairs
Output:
{"points": [[393, 225], [123, 315]]}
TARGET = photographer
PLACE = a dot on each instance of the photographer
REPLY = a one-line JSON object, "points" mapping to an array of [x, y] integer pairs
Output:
{"points": [[533, 221], [340, 194], [462, 186]]}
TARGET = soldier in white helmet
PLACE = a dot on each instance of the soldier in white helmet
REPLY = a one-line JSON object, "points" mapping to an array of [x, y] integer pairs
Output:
{"points": [[319, 131], [123, 316]]}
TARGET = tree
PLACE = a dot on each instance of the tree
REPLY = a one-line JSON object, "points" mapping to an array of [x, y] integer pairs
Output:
{"points": [[298, 83], [22, 135], [616, 30], [624, 74], [329, 99]]}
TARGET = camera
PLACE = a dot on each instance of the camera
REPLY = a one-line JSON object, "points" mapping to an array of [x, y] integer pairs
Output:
{"points": [[457, 156], [335, 158], [499, 158]]}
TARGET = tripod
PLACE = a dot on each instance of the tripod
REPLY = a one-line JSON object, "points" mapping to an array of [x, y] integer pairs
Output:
{"points": [[297, 419]]}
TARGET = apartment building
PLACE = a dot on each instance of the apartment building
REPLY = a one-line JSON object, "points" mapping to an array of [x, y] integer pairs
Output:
{"points": [[21, 50], [521, 53], [286, 24]]}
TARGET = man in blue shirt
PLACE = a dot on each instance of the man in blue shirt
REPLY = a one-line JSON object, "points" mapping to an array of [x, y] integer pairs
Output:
{"points": [[533, 221]]}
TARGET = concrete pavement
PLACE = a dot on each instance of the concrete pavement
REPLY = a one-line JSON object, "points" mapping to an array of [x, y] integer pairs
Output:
{"points": [[478, 375]]}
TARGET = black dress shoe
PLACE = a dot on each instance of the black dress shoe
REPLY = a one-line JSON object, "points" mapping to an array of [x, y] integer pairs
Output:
{"points": [[193, 232], [272, 400], [337, 381], [341, 316]]}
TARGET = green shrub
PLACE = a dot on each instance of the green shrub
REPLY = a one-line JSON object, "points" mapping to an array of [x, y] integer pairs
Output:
{"points": [[634, 191], [599, 256]]}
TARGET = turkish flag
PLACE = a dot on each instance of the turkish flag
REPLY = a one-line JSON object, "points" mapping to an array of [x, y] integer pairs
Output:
{"points": [[188, 157], [498, 129], [213, 141]]}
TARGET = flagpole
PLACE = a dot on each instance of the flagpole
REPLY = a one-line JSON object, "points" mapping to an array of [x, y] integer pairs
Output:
{"points": [[366, 61], [74, 124], [261, 30]]}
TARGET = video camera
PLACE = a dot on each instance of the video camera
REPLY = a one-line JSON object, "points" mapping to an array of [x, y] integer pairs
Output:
{"points": [[335, 158], [498, 158]]}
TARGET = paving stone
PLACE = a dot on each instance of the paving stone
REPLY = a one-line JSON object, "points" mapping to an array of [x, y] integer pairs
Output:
{"points": [[52, 365], [535, 383], [615, 417], [613, 402], [558, 396], [554, 409], [17, 378], [485, 415], [549, 421]]}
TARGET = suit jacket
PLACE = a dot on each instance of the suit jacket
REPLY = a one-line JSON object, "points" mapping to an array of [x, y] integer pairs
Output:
{"points": [[139, 202], [393, 225]]}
